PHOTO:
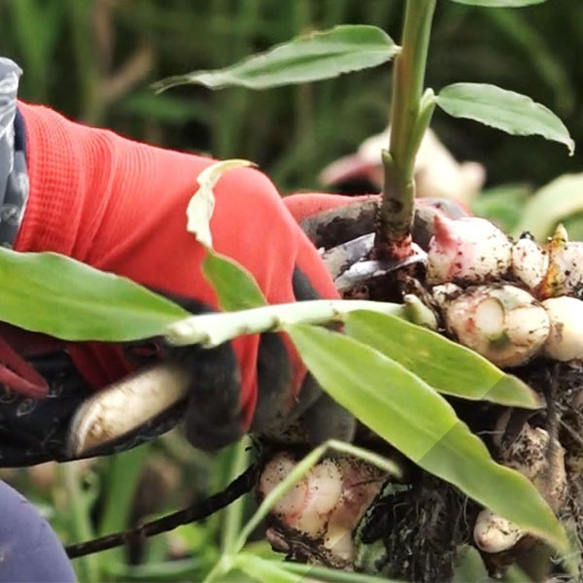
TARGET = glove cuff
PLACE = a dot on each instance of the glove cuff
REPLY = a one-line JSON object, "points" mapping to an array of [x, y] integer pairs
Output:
{"points": [[305, 205]]}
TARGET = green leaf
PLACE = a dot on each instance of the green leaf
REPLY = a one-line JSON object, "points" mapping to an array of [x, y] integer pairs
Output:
{"points": [[448, 367], [264, 570], [500, 3], [317, 56], [550, 205], [505, 110], [410, 415], [61, 297], [470, 567], [324, 574], [235, 287], [534, 48]]}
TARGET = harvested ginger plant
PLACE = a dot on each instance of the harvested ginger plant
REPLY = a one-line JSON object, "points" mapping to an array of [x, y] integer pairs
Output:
{"points": [[517, 304]]}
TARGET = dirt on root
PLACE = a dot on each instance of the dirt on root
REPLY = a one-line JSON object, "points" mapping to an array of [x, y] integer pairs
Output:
{"points": [[422, 529], [424, 526]]}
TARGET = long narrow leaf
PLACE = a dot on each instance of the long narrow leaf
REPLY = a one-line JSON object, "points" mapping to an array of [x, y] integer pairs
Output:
{"points": [[264, 570], [410, 415], [324, 574], [61, 297], [235, 287], [505, 110], [448, 367], [317, 56]]}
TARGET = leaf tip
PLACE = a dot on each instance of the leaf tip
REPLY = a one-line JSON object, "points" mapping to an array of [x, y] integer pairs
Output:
{"points": [[163, 84]]}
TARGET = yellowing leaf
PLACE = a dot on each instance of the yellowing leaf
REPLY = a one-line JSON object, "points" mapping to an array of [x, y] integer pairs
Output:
{"points": [[202, 204]]}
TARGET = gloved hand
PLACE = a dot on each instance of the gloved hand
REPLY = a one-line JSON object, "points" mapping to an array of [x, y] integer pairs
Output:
{"points": [[120, 206], [327, 219]]}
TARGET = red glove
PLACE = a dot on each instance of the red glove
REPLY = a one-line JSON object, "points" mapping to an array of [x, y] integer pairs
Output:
{"points": [[120, 206]]}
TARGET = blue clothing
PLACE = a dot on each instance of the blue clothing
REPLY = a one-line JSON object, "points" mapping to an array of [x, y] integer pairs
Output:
{"points": [[30, 551]]}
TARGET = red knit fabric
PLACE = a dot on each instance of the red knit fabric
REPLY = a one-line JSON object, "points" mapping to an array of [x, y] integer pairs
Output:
{"points": [[120, 206]]}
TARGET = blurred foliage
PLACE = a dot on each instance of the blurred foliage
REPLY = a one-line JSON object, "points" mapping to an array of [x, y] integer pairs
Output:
{"points": [[95, 61], [94, 497]]}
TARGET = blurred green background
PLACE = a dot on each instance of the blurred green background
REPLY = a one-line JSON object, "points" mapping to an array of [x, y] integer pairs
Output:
{"points": [[95, 60]]}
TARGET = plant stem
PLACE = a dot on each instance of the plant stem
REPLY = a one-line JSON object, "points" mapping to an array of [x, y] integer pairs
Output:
{"points": [[233, 518], [408, 124], [215, 328]]}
